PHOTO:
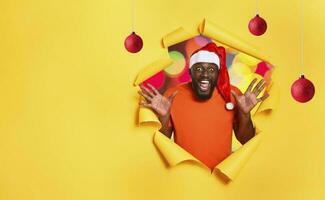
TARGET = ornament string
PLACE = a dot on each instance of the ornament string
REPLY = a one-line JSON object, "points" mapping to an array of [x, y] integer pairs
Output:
{"points": [[302, 37], [133, 15], [257, 11]]}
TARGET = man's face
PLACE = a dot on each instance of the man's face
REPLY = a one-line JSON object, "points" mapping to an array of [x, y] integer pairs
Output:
{"points": [[204, 78]]}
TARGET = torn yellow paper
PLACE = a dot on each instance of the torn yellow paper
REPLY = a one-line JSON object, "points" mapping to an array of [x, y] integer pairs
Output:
{"points": [[248, 60], [146, 116], [230, 167], [233, 163], [173, 153], [212, 31], [177, 36], [152, 68], [235, 144]]}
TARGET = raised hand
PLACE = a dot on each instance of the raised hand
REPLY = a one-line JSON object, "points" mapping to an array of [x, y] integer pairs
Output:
{"points": [[248, 100], [155, 101]]}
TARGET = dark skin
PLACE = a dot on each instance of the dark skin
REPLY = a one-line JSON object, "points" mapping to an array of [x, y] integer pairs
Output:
{"points": [[204, 74]]}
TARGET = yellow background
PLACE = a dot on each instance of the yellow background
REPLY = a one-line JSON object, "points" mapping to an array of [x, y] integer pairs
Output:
{"points": [[68, 108]]}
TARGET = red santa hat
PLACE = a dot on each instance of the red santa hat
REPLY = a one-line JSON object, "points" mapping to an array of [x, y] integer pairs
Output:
{"points": [[211, 53]]}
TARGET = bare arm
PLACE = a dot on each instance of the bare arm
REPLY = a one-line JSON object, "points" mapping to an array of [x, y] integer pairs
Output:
{"points": [[243, 126], [166, 125]]}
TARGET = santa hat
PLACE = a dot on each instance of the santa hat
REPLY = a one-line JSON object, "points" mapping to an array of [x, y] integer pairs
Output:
{"points": [[211, 53]]}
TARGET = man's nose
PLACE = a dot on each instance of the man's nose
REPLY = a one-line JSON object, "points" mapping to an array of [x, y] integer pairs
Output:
{"points": [[205, 73]]}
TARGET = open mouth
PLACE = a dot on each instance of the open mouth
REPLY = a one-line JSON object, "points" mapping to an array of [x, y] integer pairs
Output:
{"points": [[204, 85]]}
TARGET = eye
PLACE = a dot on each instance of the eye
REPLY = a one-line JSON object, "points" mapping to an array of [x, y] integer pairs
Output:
{"points": [[211, 69], [199, 69]]}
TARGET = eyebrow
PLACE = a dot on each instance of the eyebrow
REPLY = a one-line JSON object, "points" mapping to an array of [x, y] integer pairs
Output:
{"points": [[210, 65]]}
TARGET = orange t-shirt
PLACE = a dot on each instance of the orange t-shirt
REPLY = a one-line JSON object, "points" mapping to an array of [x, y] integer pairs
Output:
{"points": [[203, 128]]}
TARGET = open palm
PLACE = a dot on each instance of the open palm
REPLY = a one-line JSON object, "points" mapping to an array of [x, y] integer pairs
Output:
{"points": [[155, 101], [248, 100]]}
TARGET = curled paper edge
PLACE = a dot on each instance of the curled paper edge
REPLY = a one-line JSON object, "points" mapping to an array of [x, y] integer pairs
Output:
{"points": [[152, 69], [232, 165], [176, 36], [172, 152], [209, 29]]}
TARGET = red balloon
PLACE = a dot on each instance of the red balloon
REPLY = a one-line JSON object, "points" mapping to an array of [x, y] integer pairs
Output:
{"points": [[302, 90], [257, 26], [133, 43]]}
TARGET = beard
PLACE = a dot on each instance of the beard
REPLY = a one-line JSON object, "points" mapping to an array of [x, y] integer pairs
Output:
{"points": [[203, 89]]}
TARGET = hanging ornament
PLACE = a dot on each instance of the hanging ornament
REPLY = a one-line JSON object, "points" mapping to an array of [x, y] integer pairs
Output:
{"points": [[257, 25], [302, 90], [133, 43]]}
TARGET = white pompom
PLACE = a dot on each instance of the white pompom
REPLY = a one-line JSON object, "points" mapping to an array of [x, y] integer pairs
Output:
{"points": [[230, 106]]}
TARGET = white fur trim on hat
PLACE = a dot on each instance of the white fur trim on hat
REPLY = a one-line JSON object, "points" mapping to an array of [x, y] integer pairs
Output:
{"points": [[205, 56], [230, 106]]}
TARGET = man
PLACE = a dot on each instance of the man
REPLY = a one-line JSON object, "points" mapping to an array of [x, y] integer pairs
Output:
{"points": [[203, 113]]}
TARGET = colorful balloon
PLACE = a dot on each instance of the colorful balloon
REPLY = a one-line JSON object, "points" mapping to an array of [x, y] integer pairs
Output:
{"points": [[178, 65], [262, 68]]}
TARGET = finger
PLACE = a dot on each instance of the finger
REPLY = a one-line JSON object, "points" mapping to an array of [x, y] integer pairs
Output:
{"points": [[251, 85], [148, 98], [147, 91], [265, 96], [143, 101], [172, 96], [155, 91], [234, 94], [260, 89], [145, 104], [258, 86]]}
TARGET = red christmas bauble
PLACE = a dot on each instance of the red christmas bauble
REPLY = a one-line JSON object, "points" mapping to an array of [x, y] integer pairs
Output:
{"points": [[302, 90], [257, 26], [133, 43]]}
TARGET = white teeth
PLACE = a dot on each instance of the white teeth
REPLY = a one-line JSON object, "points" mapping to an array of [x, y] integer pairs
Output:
{"points": [[204, 85]]}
